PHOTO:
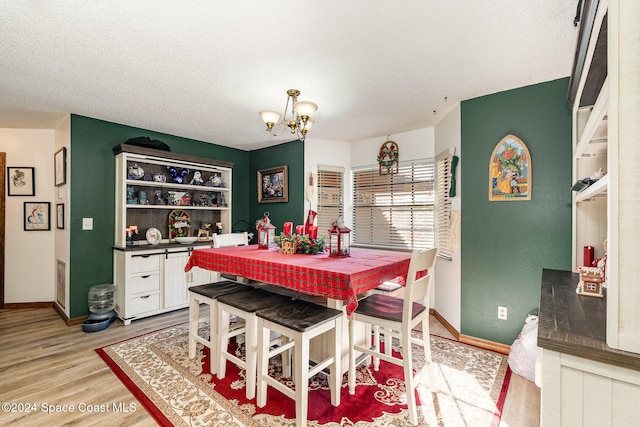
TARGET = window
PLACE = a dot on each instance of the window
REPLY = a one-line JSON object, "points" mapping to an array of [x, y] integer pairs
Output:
{"points": [[330, 197], [394, 211], [443, 205]]}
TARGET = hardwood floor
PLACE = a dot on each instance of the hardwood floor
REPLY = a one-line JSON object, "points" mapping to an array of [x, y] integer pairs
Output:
{"points": [[46, 364]]}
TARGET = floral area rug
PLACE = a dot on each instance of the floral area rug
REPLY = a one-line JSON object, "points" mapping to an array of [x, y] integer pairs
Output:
{"points": [[468, 387]]}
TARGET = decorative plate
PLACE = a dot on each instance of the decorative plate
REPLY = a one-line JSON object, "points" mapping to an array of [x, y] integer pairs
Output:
{"points": [[154, 236]]}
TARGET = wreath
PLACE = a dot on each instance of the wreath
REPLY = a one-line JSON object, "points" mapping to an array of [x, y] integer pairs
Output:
{"points": [[179, 224], [388, 156]]}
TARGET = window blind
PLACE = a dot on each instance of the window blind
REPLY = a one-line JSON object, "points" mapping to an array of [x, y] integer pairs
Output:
{"points": [[330, 197], [443, 205], [395, 211]]}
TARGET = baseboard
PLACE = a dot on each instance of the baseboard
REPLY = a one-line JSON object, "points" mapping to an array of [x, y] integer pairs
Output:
{"points": [[67, 320], [486, 344], [466, 339], [20, 305], [448, 326]]}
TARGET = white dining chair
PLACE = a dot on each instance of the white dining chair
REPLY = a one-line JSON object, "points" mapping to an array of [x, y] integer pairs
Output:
{"points": [[397, 317], [227, 240]]}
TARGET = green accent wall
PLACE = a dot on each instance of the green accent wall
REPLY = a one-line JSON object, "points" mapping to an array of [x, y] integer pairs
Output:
{"points": [[505, 245], [92, 169], [292, 155]]}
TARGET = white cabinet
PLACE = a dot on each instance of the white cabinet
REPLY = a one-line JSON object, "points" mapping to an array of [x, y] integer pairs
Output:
{"points": [[606, 136], [177, 282], [580, 390], [150, 278]]}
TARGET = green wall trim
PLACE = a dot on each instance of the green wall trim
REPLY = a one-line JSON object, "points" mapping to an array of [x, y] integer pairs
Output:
{"points": [[506, 244], [92, 170]]}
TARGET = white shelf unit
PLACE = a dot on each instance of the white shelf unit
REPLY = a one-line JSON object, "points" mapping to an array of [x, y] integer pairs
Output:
{"points": [[150, 279], [580, 390]]}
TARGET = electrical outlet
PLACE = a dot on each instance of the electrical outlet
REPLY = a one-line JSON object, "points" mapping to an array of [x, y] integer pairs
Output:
{"points": [[502, 312]]}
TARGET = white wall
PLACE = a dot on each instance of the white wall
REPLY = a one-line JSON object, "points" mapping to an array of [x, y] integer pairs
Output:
{"points": [[29, 255], [327, 153], [417, 144], [61, 194], [447, 289]]}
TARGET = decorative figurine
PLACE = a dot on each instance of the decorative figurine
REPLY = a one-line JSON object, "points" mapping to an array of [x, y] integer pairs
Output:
{"points": [[197, 178]]}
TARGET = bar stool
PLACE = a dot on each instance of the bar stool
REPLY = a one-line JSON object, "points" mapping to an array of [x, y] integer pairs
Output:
{"points": [[208, 294], [243, 304], [397, 317], [301, 321]]}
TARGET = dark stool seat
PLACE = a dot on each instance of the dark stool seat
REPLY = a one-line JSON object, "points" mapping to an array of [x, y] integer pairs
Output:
{"points": [[208, 294], [243, 304], [300, 321], [299, 315], [251, 300], [214, 290]]}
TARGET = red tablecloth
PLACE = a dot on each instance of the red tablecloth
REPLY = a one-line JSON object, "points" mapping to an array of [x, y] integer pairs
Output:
{"points": [[338, 278]]}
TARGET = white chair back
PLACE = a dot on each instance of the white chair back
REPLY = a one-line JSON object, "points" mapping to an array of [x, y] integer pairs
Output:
{"points": [[418, 289], [230, 239]]}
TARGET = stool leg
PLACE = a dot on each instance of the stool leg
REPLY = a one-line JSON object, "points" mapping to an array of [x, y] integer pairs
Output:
{"points": [[222, 343], [301, 379], [335, 373], [263, 363], [352, 358], [376, 344], [213, 338], [251, 347], [194, 315], [286, 360]]}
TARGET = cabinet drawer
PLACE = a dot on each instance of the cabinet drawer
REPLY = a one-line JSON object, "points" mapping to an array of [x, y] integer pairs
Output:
{"points": [[144, 263], [144, 283], [143, 304]]}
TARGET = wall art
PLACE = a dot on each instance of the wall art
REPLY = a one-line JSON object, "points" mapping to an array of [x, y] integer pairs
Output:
{"points": [[510, 171], [21, 181], [37, 216], [60, 167], [273, 185]]}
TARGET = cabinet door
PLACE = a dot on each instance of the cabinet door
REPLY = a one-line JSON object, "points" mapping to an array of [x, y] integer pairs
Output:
{"points": [[177, 282]]}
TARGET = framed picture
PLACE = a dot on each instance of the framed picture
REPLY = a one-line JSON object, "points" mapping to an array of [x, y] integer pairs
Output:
{"points": [[60, 216], [273, 185], [60, 167], [510, 171], [21, 181], [37, 216]]}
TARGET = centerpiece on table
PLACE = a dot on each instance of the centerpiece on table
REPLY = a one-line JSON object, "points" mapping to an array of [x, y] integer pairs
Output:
{"points": [[300, 244]]}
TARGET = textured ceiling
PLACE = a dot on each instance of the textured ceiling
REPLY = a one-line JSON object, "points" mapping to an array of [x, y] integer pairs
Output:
{"points": [[203, 69]]}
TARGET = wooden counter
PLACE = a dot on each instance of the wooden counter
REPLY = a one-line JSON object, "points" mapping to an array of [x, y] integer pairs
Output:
{"points": [[574, 324]]}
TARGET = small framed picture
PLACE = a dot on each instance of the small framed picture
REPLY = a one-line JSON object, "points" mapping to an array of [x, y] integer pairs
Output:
{"points": [[21, 181], [60, 216], [60, 167], [273, 185], [37, 216]]}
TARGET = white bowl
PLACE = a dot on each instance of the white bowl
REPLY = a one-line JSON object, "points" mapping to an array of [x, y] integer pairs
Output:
{"points": [[186, 240]]}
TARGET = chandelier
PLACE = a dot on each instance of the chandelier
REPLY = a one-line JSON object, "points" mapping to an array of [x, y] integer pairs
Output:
{"points": [[298, 120]]}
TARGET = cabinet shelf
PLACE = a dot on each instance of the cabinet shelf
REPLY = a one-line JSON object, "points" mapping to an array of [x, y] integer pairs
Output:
{"points": [[174, 186], [593, 140], [597, 189], [172, 207]]}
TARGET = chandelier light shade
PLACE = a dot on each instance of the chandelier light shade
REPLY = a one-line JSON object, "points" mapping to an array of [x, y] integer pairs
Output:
{"points": [[297, 120]]}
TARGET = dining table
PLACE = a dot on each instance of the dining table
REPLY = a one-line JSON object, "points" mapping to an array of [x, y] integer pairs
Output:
{"points": [[341, 279]]}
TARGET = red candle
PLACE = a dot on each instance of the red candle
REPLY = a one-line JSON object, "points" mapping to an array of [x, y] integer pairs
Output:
{"points": [[313, 232], [588, 256], [287, 228], [299, 229]]}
